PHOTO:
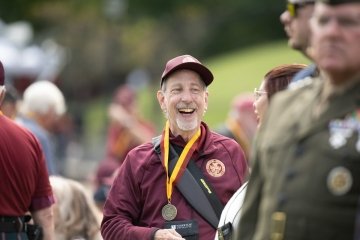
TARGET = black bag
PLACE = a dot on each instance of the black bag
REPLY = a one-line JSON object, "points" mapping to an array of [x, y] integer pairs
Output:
{"points": [[33, 231], [187, 229]]}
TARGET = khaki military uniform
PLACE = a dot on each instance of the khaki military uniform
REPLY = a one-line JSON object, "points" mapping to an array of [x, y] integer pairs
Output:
{"points": [[305, 180]]}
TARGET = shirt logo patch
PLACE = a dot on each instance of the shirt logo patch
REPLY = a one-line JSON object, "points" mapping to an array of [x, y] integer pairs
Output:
{"points": [[339, 181], [215, 168]]}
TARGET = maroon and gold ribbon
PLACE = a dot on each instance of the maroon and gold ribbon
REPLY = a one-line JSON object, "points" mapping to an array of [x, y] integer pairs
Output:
{"points": [[182, 161]]}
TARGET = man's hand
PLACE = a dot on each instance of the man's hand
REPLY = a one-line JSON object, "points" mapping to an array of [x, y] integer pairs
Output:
{"points": [[167, 234]]}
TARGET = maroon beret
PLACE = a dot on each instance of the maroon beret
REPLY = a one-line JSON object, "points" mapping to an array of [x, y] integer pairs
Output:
{"points": [[190, 63]]}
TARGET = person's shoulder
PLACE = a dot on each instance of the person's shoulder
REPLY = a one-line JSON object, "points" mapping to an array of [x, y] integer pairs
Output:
{"points": [[224, 141], [286, 109], [141, 155], [33, 127], [295, 92], [15, 126], [224, 130], [303, 84], [23, 134], [143, 148], [218, 137], [310, 71]]}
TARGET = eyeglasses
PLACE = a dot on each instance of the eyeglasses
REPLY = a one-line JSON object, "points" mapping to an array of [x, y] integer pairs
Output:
{"points": [[292, 8], [258, 93]]}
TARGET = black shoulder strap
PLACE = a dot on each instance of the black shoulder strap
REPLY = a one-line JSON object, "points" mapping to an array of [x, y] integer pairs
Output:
{"points": [[206, 187], [200, 195]]}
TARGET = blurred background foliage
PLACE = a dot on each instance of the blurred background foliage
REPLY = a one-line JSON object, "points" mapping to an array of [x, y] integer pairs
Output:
{"points": [[109, 42], [107, 39]]}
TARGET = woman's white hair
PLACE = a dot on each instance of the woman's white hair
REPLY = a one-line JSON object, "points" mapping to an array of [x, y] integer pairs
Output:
{"points": [[76, 215], [41, 96]]}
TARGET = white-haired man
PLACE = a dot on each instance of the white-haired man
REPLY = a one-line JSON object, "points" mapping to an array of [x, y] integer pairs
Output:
{"points": [[42, 105]]}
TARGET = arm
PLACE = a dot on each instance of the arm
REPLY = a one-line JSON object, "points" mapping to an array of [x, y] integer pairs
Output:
{"points": [[44, 218], [123, 206], [137, 129]]}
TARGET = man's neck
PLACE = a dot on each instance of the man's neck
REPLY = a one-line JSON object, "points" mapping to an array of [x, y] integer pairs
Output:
{"points": [[185, 135], [337, 83], [341, 80]]}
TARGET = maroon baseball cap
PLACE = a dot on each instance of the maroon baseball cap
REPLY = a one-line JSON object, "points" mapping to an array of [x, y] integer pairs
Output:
{"points": [[190, 63], [2, 74]]}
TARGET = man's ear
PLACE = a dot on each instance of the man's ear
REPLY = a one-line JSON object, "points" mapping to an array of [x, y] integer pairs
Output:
{"points": [[161, 99], [206, 99]]}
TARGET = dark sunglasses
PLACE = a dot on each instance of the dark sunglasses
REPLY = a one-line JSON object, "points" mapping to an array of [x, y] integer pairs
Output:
{"points": [[292, 8]]}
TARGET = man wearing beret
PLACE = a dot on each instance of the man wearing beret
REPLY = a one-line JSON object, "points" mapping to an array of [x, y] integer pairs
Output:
{"points": [[146, 200], [25, 185], [305, 181]]}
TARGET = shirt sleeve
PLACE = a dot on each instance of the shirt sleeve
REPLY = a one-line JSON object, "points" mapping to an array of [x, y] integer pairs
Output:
{"points": [[122, 208], [43, 195]]}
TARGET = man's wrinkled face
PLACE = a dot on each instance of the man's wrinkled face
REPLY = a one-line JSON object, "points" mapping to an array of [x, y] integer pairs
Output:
{"points": [[336, 38], [184, 99]]}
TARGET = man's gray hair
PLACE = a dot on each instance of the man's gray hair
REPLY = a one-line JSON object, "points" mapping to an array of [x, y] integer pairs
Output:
{"points": [[41, 96]]}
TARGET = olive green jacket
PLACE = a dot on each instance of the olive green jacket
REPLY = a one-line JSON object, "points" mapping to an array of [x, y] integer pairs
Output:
{"points": [[305, 179]]}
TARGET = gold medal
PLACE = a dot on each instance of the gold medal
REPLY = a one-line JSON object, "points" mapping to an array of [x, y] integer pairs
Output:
{"points": [[169, 212]]}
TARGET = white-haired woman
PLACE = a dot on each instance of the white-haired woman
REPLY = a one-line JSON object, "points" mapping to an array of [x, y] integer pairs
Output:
{"points": [[75, 213]]}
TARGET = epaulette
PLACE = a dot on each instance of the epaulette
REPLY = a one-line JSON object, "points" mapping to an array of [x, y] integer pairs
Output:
{"points": [[301, 83]]}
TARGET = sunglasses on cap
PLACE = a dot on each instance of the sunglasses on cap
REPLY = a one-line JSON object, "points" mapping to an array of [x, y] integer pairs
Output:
{"points": [[292, 8]]}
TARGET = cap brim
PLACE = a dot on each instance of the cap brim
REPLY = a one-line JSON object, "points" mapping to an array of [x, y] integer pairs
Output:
{"points": [[204, 72]]}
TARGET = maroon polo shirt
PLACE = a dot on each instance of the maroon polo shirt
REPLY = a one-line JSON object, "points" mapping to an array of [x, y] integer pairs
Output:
{"points": [[24, 178]]}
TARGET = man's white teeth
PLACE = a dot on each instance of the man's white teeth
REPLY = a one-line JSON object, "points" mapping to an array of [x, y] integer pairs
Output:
{"points": [[186, 110]]}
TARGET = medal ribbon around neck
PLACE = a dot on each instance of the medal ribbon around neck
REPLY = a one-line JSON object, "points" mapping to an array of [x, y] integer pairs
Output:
{"points": [[182, 161]]}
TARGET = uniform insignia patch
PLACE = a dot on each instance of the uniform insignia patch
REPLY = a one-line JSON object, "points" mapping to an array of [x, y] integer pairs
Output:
{"points": [[339, 181], [342, 129], [215, 168]]}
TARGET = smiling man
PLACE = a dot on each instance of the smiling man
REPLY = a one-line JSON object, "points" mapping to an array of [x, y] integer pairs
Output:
{"points": [[163, 188]]}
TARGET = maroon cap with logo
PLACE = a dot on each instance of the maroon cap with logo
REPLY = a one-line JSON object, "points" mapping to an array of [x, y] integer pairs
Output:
{"points": [[190, 63], [2, 74]]}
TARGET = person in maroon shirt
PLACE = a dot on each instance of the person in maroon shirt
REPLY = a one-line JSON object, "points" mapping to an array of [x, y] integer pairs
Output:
{"points": [[145, 200], [126, 130], [25, 185]]}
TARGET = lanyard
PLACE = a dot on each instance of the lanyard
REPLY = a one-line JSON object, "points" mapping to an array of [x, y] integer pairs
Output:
{"points": [[182, 161]]}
